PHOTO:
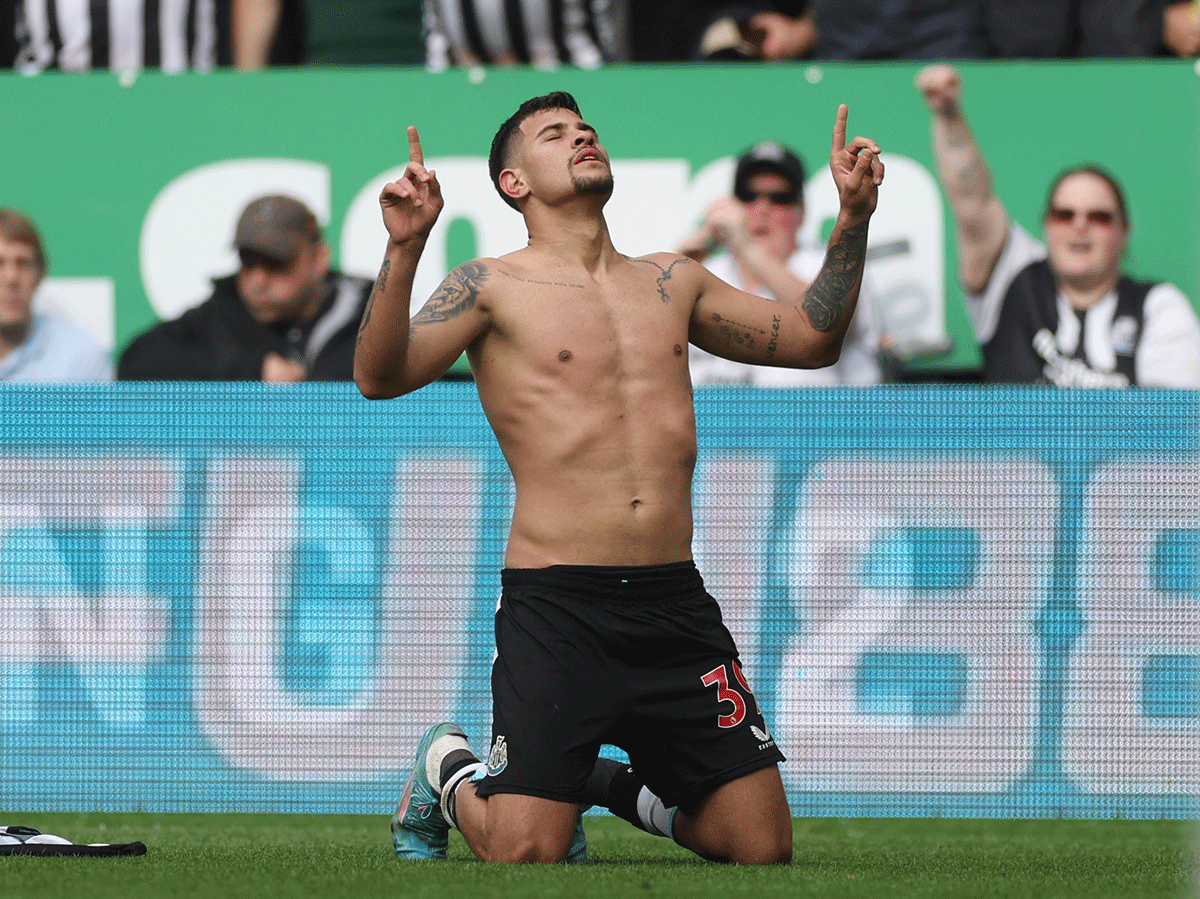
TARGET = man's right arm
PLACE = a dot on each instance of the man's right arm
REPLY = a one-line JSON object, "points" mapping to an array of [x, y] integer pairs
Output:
{"points": [[394, 356], [980, 218]]}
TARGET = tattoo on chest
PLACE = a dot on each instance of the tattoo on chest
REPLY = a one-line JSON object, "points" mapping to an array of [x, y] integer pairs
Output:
{"points": [[543, 283], [826, 299], [664, 276], [456, 295]]}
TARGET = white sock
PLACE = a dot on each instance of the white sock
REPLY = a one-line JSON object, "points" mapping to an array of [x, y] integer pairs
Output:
{"points": [[472, 773], [656, 818]]}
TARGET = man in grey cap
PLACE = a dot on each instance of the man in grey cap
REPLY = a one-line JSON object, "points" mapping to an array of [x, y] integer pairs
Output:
{"points": [[750, 240], [284, 316]]}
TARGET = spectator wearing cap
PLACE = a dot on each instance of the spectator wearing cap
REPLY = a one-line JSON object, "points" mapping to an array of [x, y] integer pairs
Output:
{"points": [[38, 346], [751, 240], [284, 316]]}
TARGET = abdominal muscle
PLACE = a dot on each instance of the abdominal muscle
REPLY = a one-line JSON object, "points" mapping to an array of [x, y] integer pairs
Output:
{"points": [[599, 524], [601, 484]]}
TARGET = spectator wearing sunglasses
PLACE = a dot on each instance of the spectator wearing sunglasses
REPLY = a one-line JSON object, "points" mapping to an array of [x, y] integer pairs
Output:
{"points": [[750, 240], [1059, 312]]}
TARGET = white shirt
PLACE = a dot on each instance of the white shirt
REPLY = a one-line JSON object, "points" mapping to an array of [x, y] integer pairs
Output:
{"points": [[56, 350], [858, 363], [1168, 354]]}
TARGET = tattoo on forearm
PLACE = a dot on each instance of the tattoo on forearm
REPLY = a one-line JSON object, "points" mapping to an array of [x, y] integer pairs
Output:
{"points": [[380, 287], [457, 294], [663, 278], [825, 302], [971, 174], [366, 318]]}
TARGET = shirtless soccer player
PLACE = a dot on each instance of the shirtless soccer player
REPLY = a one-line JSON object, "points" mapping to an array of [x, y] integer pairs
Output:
{"points": [[604, 632]]}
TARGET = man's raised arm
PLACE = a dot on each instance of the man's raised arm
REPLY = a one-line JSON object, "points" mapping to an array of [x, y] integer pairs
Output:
{"points": [[857, 172], [411, 205], [979, 216], [809, 332]]}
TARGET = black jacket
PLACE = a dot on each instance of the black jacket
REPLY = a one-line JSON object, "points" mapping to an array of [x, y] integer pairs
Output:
{"points": [[219, 341]]}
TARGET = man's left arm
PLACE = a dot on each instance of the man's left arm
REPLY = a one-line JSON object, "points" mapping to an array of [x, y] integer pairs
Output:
{"points": [[809, 333]]}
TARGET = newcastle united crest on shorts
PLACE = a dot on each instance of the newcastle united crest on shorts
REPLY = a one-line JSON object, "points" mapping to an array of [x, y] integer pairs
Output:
{"points": [[498, 758]]}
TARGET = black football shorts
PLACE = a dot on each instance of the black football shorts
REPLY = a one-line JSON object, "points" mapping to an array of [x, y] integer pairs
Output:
{"points": [[638, 658]]}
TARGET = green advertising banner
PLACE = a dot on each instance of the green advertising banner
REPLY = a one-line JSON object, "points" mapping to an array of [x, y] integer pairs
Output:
{"points": [[136, 182]]}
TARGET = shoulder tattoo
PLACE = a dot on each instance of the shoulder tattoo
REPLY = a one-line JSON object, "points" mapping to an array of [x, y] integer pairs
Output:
{"points": [[664, 274], [458, 293]]}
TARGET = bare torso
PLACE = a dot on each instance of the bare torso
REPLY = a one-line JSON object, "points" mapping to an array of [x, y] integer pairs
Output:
{"points": [[584, 379]]}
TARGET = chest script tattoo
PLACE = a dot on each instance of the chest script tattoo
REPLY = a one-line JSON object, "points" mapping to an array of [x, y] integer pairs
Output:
{"points": [[543, 283], [456, 295], [825, 301], [665, 275]]}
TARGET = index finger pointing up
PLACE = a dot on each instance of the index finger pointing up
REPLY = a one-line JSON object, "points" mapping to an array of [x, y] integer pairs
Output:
{"points": [[415, 154], [839, 128]]}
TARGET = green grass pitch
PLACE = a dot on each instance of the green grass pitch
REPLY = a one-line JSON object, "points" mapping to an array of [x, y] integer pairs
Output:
{"points": [[350, 857]]}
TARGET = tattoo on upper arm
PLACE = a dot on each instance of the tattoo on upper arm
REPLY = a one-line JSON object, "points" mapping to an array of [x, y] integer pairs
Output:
{"points": [[665, 275], [458, 293], [825, 302], [736, 333]]}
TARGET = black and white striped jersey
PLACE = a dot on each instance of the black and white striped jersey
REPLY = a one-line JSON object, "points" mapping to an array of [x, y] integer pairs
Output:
{"points": [[542, 33], [122, 35]]}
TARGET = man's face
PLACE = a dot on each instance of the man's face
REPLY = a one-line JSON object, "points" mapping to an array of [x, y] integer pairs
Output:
{"points": [[771, 221], [1085, 234], [560, 155], [20, 276], [277, 292]]}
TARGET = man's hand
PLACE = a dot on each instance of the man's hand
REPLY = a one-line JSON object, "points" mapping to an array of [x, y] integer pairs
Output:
{"points": [[278, 370], [726, 219], [724, 225], [412, 204], [856, 169], [1181, 29], [940, 87], [778, 36]]}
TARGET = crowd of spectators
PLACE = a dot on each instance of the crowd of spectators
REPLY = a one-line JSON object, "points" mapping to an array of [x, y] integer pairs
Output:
{"points": [[129, 34], [285, 316]]}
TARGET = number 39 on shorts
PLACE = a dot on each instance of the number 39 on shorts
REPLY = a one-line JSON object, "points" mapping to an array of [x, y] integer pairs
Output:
{"points": [[719, 678]]}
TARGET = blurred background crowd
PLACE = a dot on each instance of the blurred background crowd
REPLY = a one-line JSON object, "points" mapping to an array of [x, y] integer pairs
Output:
{"points": [[172, 34], [1054, 307]]}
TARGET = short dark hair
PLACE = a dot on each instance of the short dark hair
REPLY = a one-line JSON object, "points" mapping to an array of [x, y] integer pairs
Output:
{"points": [[502, 142], [1099, 172], [16, 227]]}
